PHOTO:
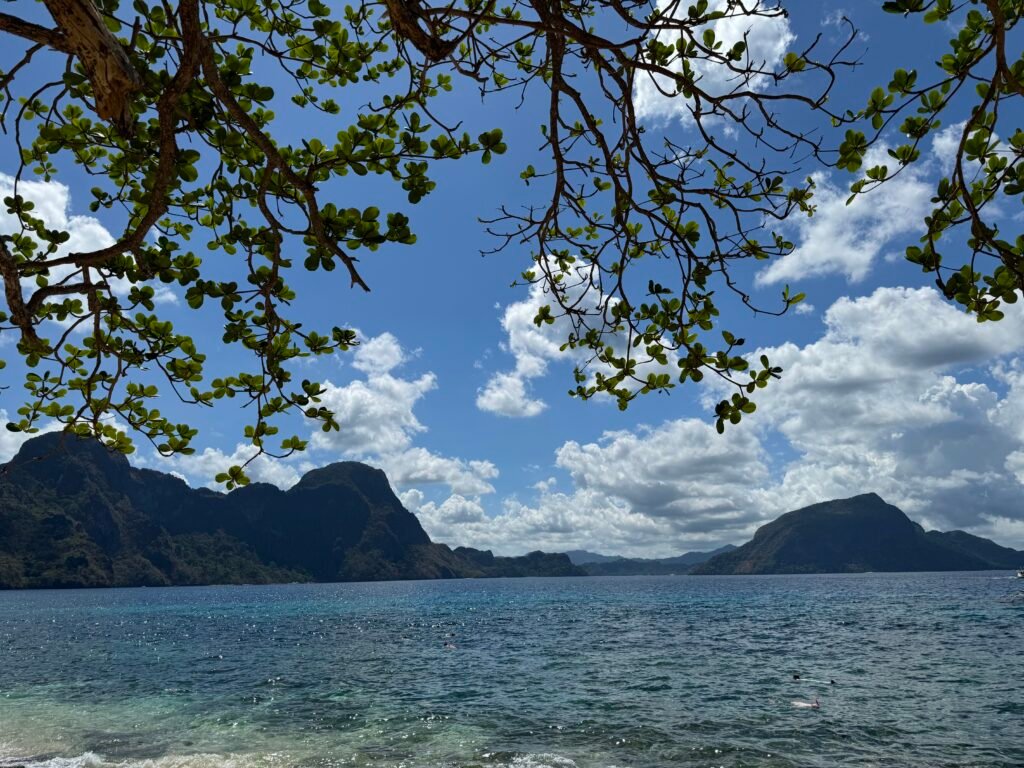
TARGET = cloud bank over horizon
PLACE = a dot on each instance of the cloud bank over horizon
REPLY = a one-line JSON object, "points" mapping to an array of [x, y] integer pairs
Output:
{"points": [[901, 394]]}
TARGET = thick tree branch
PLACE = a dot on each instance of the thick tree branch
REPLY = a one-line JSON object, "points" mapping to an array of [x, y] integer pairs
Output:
{"points": [[52, 38], [114, 80], [165, 176], [20, 315], [405, 17]]}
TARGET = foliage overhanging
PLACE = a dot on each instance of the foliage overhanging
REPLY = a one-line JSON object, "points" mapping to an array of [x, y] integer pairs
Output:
{"points": [[635, 235]]}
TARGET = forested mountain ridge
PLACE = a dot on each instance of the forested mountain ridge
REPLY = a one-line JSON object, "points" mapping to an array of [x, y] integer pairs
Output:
{"points": [[73, 514], [610, 565]]}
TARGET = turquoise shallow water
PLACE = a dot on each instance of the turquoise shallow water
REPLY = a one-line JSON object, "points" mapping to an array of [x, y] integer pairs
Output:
{"points": [[584, 673]]}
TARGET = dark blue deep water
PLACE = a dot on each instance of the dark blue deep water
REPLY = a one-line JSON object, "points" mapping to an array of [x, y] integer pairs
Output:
{"points": [[593, 673]]}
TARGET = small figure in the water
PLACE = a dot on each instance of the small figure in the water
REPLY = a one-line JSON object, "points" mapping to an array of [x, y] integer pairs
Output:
{"points": [[449, 646], [808, 704], [796, 676], [831, 682]]}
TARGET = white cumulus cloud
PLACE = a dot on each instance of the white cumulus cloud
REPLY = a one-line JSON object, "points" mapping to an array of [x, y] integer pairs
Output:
{"points": [[902, 394], [418, 466], [768, 39], [201, 468], [848, 239], [376, 414], [52, 201], [507, 393], [379, 425], [642, 493], [379, 355]]}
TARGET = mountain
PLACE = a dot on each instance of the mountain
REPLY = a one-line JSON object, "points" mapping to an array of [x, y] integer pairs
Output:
{"points": [[72, 514], [624, 566], [531, 564], [583, 557], [975, 546], [862, 533]]}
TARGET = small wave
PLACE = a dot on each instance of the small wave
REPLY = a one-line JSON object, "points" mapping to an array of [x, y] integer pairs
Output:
{"points": [[199, 760], [253, 760], [543, 760], [86, 760]]}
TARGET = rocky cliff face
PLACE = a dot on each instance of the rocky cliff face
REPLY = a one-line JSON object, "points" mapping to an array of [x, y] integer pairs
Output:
{"points": [[74, 515], [862, 533]]}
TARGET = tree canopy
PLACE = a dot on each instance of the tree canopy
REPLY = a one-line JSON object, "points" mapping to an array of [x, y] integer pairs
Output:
{"points": [[635, 235]]}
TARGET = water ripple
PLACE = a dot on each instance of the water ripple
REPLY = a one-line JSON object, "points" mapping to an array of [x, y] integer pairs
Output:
{"points": [[557, 673]]}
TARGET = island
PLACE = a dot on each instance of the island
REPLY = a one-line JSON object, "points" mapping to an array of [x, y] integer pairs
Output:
{"points": [[73, 514], [854, 535]]}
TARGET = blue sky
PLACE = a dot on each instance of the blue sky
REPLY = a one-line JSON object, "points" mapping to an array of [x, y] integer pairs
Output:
{"points": [[463, 401]]}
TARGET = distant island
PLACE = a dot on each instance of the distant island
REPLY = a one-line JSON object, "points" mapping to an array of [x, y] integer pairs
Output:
{"points": [[73, 514], [614, 565], [854, 535]]}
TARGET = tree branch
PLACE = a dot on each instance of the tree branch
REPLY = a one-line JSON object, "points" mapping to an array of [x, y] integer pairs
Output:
{"points": [[114, 79], [20, 314], [52, 38]]}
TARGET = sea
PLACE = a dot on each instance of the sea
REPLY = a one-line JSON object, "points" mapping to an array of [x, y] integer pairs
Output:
{"points": [[908, 670]]}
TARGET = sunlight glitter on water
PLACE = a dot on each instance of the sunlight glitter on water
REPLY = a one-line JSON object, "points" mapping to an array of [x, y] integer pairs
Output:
{"points": [[559, 673]]}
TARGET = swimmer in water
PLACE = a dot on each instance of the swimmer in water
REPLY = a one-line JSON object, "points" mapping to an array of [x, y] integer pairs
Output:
{"points": [[796, 676], [808, 704]]}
